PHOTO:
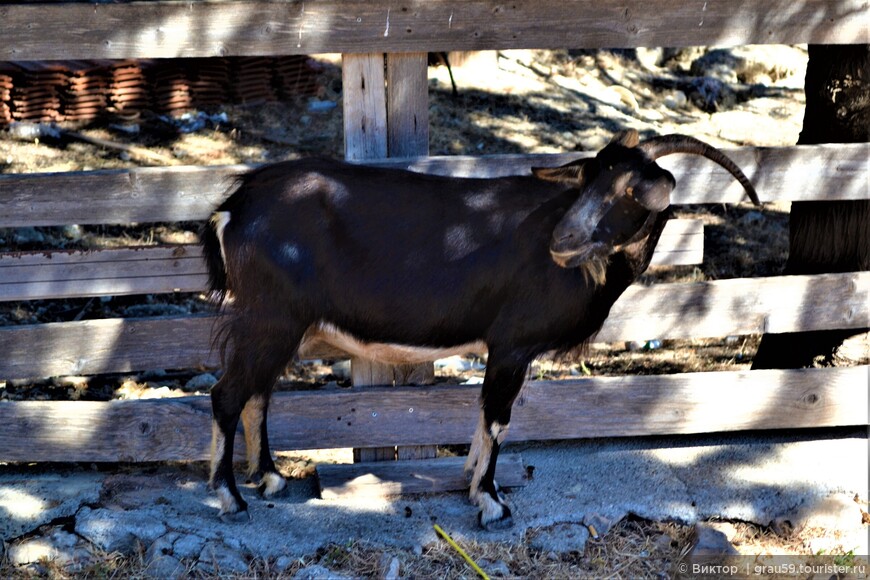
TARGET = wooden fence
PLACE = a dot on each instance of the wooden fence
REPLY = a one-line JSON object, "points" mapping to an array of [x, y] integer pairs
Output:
{"points": [[396, 122]]}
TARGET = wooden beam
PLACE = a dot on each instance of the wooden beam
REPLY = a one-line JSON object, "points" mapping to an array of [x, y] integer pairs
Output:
{"points": [[166, 29], [386, 99], [740, 306], [365, 106], [114, 196], [689, 310], [179, 429], [109, 272], [681, 244], [365, 137], [156, 194], [385, 479], [105, 346], [797, 173], [407, 105]]}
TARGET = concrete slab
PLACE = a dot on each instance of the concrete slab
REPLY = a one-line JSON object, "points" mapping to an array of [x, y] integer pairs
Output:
{"points": [[29, 498], [688, 479]]}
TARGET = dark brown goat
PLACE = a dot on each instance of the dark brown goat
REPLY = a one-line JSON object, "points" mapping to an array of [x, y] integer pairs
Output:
{"points": [[386, 260]]}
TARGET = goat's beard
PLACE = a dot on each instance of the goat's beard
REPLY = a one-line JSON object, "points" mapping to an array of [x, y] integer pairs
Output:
{"points": [[595, 270]]}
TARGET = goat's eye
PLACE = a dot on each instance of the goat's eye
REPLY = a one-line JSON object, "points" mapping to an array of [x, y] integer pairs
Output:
{"points": [[629, 191]]}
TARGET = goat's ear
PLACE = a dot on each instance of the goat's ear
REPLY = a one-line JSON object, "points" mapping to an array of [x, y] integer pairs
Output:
{"points": [[628, 138], [571, 173], [655, 193]]}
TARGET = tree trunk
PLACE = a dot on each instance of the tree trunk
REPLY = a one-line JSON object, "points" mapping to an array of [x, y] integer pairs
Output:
{"points": [[827, 236]]}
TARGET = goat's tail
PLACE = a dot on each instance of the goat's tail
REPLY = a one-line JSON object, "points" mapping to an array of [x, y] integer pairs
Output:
{"points": [[213, 254]]}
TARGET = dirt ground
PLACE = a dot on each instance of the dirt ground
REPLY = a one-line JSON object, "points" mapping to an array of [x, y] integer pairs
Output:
{"points": [[510, 102]]}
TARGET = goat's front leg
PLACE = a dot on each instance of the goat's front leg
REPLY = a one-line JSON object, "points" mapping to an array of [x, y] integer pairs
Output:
{"points": [[500, 388]]}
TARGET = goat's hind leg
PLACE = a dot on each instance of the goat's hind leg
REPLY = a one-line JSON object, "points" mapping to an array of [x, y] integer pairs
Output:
{"points": [[244, 391], [227, 400], [500, 388]]}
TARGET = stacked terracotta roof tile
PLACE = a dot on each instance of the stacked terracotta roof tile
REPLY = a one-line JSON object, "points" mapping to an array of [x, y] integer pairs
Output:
{"points": [[85, 90], [129, 93], [36, 91], [295, 75], [171, 87], [252, 80], [85, 95], [211, 81], [5, 94]]}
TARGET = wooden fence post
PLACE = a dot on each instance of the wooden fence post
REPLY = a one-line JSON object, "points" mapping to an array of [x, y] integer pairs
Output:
{"points": [[387, 116]]}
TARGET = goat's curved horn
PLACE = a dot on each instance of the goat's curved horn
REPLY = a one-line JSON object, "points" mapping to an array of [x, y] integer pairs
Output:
{"points": [[669, 144]]}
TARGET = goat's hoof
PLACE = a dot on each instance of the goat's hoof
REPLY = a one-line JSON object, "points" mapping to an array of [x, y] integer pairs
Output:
{"points": [[239, 517], [271, 485], [505, 522]]}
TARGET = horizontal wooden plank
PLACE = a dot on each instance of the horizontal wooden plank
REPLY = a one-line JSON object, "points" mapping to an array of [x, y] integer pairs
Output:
{"points": [[108, 272], [164, 269], [114, 196], [689, 310], [740, 306], [389, 478], [797, 173], [158, 194], [179, 429], [103, 346], [161, 29]]}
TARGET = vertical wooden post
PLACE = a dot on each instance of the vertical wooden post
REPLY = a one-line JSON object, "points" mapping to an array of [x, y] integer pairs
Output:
{"points": [[386, 116], [407, 105], [365, 106]]}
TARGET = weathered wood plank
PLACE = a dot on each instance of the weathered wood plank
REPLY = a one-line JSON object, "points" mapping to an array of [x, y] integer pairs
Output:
{"points": [[179, 429], [681, 244], [365, 106], [740, 306], [113, 196], [154, 194], [103, 346], [691, 310], [797, 173], [407, 105], [385, 99], [165, 29], [109, 272], [165, 269], [385, 479]]}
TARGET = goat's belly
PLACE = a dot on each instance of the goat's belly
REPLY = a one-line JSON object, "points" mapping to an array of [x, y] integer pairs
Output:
{"points": [[323, 336]]}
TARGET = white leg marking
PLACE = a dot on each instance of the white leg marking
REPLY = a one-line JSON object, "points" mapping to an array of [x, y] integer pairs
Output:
{"points": [[227, 501], [499, 432], [480, 454], [490, 509], [217, 448], [478, 457], [252, 419], [272, 484]]}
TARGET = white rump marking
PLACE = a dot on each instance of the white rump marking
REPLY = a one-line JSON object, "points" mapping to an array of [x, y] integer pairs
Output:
{"points": [[219, 221]]}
